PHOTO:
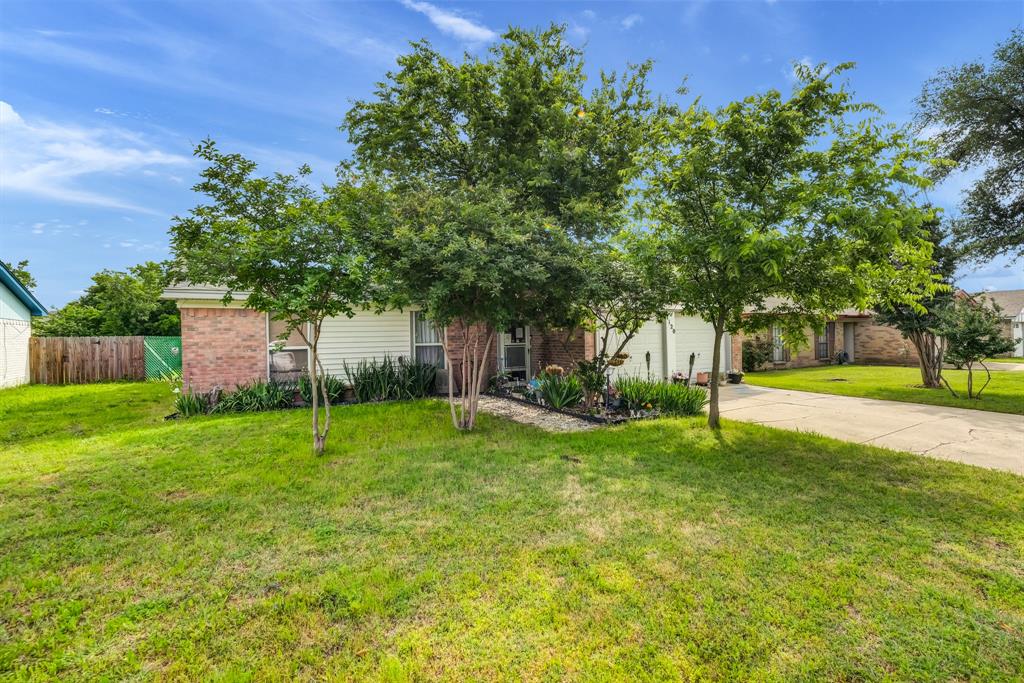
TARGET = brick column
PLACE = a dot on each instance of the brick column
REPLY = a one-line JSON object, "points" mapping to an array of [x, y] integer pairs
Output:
{"points": [[222, 347]]}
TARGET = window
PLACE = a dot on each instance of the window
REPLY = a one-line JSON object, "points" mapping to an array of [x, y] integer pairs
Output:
{"points": [[823, 342], [289, 357], [426, 340], [778, 347]]}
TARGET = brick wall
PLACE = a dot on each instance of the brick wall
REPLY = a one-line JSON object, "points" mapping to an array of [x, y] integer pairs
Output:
{"points": [[550, 347], [874, 343], [222, 347], [456, 341]]}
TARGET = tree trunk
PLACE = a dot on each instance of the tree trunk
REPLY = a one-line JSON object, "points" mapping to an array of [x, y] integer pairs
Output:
{"points": [[716, 364], [970, 380], [930, 352], [473, 367], [317, 381]]}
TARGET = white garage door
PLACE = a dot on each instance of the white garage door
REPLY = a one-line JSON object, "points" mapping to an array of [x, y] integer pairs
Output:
{"points": [[650, 339], [693, 335]]}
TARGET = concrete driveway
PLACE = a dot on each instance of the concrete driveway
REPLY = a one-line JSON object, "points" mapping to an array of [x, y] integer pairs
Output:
{"points": [[975, 437]]}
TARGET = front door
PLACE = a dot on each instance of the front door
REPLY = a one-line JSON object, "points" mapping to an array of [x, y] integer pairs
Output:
{"points": [[514, 353]]}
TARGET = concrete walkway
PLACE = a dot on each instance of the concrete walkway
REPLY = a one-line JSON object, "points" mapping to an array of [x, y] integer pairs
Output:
{"points": [[975, 437]]}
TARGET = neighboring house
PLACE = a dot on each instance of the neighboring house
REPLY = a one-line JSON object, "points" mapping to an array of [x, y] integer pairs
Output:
{"points": [[1011, 301], [17, 306], [227, 345], [853, 333]]}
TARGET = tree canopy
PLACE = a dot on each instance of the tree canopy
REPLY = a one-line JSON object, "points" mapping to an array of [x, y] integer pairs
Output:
{"points": [[20, 270], [786, 209], [978, 113], [117, 303]]}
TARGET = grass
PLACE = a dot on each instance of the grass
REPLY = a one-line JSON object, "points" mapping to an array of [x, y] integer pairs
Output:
{"points": [[1005, 359], [1004, 395], [219, 548]]}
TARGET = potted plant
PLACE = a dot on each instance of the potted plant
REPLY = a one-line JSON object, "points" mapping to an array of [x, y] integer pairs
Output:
{"points": [[735, 377], [703, 378]]}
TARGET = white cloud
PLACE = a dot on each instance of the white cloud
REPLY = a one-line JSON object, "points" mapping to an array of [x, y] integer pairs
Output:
{"points": [[631, 21], [589, 14], [51, 160], [693, 11], [451, 23]]}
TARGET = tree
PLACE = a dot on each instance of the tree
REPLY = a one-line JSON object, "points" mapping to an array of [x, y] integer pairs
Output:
{"points": [[474, 264], [973, 332], [789, 198], [20, 270], [296, 251], [514, 135], [979, 113], [117, 304], [919, 320]]}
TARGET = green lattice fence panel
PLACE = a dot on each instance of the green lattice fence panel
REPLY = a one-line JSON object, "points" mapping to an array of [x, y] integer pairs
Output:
{"points": [[163, 356]]}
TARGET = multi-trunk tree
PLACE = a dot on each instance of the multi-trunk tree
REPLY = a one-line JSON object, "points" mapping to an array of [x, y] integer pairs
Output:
{"points": [[803, 199], [918, 321], [503, 165], [297, 253]]}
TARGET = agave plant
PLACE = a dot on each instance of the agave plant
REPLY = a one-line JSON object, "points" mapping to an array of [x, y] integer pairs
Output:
{"points": [[560, 391]]}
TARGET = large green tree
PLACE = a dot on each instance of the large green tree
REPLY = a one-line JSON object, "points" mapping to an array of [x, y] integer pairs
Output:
{"points": [[117, 303], [298, 252], [800, 198], [919, 320], [978, 113], [513, 166]]}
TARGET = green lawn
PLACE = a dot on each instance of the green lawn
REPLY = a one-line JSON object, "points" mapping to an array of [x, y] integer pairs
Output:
{"points": [[1006, 359], [1004, 395], [220, 548]]}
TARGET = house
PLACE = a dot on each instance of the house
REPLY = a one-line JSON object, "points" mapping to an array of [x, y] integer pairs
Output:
{"points": [[224, 345], [854, 334], [17, 306], [1011, 303]]}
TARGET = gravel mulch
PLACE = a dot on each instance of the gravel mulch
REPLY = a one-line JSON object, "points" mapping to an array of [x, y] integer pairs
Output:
{"points": [[538, 417]]}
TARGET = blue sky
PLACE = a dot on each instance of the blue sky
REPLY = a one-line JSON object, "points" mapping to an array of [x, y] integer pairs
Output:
{"points": [[101, 103]]}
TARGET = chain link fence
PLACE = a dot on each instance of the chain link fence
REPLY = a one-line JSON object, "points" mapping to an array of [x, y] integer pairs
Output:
{"points": [[163, 356]]}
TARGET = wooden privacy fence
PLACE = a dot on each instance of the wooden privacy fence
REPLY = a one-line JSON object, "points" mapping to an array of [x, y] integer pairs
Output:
{"points": [[79, 360]]}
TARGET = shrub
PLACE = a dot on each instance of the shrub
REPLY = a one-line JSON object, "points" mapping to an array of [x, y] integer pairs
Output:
{"points": [[560, 391], [417, 379], [637, 393], [679, 399], [335, 388], [756, 352], [256, 396], [592, 378], [386, 379], [189, 403]]}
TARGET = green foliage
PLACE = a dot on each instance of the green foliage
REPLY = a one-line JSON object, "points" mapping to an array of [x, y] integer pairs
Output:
{"points": [[560, 390], [188, 403], [776, 210], [257, 396], [500, 166], [679, 399], [972, 331], [301, 254], [637, 393], [20, 271], [335, 388], [388, 380], [756, 352], [117, 304], [978, 111]]}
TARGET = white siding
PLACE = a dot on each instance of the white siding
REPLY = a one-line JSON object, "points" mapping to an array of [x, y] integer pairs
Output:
{"points": [[651, 337], [364, 336], [14, 336], [693, 335], [11, 307]]}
